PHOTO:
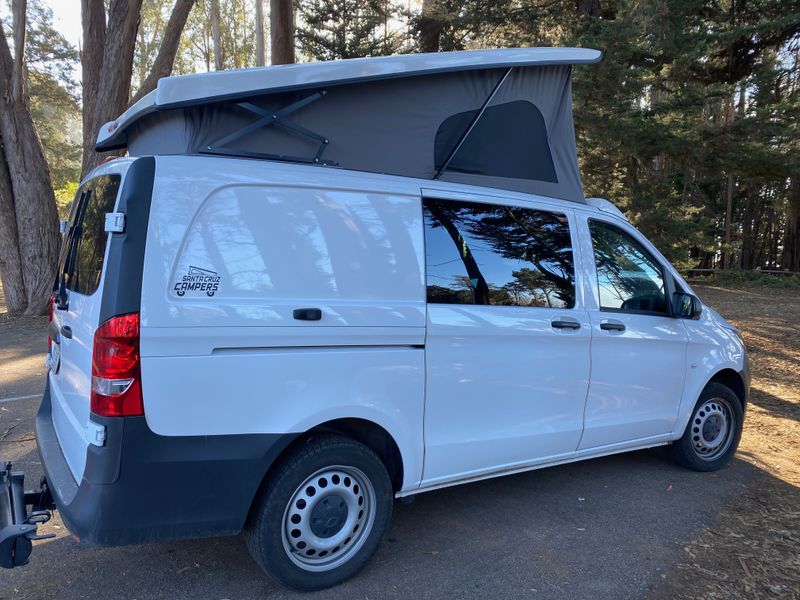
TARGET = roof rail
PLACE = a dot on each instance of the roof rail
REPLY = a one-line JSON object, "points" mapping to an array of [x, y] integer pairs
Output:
{"points": [[606, 206]]}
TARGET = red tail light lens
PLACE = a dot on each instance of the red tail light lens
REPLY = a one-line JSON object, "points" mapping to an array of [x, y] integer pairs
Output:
{"points": [[116, 380]]}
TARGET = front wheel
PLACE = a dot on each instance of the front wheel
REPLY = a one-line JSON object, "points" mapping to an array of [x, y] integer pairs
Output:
{"points": [[713, 433], [322, 514]]}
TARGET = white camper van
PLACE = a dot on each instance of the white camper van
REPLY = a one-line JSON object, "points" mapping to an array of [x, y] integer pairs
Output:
{"points": [[312, 289]]}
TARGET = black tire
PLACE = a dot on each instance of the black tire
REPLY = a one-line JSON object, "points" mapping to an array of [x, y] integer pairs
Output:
{"points": [[692, 450], [337, 464]]}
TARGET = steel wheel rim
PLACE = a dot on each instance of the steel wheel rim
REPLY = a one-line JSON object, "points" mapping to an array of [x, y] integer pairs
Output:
{"points": [[713, 426], [328, 518]]}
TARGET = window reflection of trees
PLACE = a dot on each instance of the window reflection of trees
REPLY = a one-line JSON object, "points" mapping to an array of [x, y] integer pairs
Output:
{"points": [[90, 235], [531, 256], [628, 276]]}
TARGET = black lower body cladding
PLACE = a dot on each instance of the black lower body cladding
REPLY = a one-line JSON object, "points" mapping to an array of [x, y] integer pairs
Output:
{"points": [[143, 487]]}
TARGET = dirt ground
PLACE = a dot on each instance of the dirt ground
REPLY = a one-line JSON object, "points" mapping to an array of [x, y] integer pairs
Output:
{"points": [[748, 545], [753, 550]]}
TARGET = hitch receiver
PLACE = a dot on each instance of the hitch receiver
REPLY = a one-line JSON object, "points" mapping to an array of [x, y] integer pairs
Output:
{"points": [[17, 525]]}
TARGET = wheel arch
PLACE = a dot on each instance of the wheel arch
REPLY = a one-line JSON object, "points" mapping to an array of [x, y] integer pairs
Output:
{"points": [[733, 380], [364, 431]]}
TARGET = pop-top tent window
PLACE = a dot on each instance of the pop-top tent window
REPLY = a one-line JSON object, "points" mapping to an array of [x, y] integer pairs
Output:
{"points": [[509, 140], [496, 118]]}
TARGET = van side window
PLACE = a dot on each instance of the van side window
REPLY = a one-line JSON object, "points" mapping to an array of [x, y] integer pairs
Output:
{"points": [[629, 279], [87, 244], [502, 255]]}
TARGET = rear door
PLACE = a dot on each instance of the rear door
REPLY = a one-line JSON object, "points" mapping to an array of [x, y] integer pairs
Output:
{"points": [[76, 315], [507, 345]]}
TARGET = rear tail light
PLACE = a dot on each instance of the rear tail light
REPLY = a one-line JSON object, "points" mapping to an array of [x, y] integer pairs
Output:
{"points": [[50, 319], [116, 380]]}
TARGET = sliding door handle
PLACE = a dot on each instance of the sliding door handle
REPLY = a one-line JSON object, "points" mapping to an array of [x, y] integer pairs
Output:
{"points": [[612, 326], [307, 314], [560, 324]]}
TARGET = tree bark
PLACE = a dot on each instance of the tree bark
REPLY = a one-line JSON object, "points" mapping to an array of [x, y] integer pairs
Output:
{"points": [[19, 10], [162, 67], [10, 262], [216, 35], [93, 20], [260, 43], [33, 199], [281, 22]]}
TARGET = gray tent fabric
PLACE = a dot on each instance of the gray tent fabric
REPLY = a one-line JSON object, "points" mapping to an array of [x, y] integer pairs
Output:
{"points": [[507, 128]]}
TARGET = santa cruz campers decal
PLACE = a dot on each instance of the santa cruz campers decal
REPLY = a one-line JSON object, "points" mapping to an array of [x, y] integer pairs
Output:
{"points": [[198, 280]]}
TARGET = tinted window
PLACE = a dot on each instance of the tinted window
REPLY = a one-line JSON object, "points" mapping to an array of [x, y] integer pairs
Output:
{"points": [[509, 140], [87, 241], [628, 277], [488, 254]]}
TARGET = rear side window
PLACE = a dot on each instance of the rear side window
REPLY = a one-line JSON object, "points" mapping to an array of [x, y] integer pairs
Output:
{"points": [[86, 247], [629, 279], [501, 255]]}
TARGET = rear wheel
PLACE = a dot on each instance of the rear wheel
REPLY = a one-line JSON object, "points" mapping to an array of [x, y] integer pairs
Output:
{"points": [[713, 433], [322, 514]]}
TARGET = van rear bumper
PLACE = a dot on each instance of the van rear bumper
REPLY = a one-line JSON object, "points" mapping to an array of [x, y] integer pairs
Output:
{"points": [[143, 487]]}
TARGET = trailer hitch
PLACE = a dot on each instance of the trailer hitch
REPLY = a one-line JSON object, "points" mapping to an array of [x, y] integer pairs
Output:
{"points": [[17, 525]]}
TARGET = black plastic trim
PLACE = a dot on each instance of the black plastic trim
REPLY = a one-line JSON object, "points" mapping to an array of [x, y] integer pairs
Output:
{"points": [[122, 287], [143, 487]]}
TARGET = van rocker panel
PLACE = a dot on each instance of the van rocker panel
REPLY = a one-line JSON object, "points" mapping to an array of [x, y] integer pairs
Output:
{"points": [[142, 487]]}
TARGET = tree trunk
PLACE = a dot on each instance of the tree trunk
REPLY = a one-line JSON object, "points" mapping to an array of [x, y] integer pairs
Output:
{"points": [[19, 10], [260, 43], [33, 200], [115, 74], [162, 67], [10, 263], [791, 237], [430, 26], [726, 251], [588, 8], [281, 25], [93, 20], [216, 36]]}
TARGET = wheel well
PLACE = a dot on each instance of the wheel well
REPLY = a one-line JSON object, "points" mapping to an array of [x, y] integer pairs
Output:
{"points": [[373, 436], [731, 379]]}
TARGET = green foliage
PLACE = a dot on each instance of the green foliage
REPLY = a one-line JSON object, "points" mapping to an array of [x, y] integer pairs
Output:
{"points": [[689, 92], [334, 29], [64, 197], [694, 99]]}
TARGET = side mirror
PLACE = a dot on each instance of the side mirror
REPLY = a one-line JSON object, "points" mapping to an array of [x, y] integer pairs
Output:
{"points": [[686, 306]]}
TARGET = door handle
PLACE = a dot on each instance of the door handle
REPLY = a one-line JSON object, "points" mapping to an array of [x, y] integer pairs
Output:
{"points": [[565, 324], [307, 314], [612, 326], [66, 331]]}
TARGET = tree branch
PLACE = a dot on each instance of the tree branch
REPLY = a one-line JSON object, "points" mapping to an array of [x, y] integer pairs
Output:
{"points": [[162, 67]]}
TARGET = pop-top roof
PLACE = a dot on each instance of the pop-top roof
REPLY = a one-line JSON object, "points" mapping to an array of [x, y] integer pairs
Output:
{"points": [[500, 118]]}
